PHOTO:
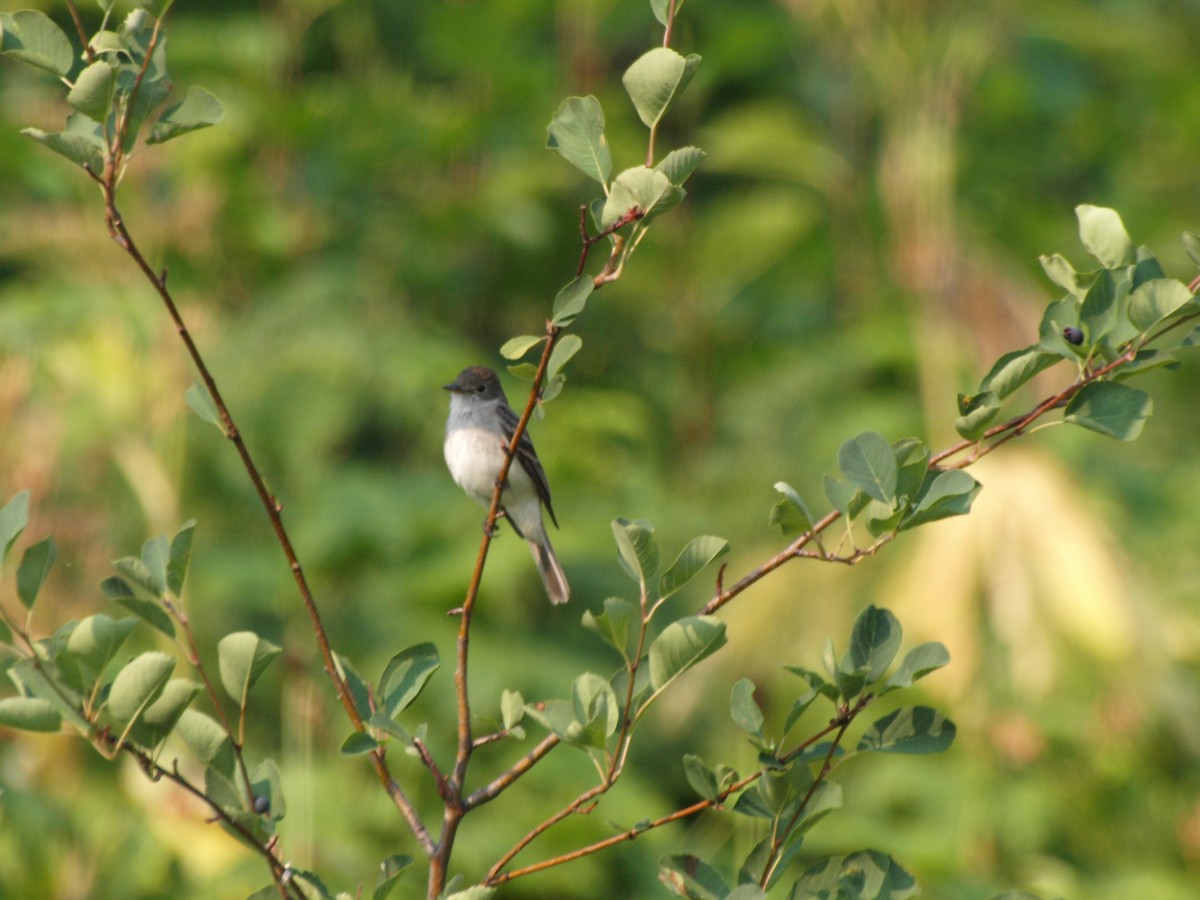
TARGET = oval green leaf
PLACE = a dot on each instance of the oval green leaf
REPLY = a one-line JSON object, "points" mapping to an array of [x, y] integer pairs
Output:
{"points": [[681, 645]]}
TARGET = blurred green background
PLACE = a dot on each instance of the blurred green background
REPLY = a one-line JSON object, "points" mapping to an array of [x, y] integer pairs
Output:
{"points": [[377, 211]]}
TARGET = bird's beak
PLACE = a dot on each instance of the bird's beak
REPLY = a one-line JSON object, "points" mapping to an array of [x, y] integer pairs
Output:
{"points": [[453, 386]]}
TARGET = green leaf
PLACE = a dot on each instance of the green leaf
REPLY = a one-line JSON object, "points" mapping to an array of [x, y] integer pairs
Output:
{"points": [[35, 566], [862, 875], [161, 716], [577, 133], [975, 413], [701, 777], [512, 708], [655, 79], [119, 591], [390, 871], [636, 549], [1016, 368], [82, 142], [92, 94], [242, 657], [13, 519], [138, 575], [869, 463], [1099, 311], [943, 494], [1103, 235], [1155, 300], [790, 513], [476, 892], [679, 164], [203, 405], [93, 643], [571, 300], [32, 37], [913, 729], [612, 625], [360, 693], [180, 556], [199, 109], [1111, 409], [138, 685], [660, 8], [43, 683], [105, 41], [743, 708], [567, 346], [1064, 275], [1148, 268], [156, 554], [840, 494], [1191, 245], [643, 188], [207, 740], [912, 458], [691, 877], [157, 8], [874, 642], [691, 561], [681, 645], [405, 676], [596, 711], [801, 704], [29, 714], [358, 743], [918, 662], [515, 348]]}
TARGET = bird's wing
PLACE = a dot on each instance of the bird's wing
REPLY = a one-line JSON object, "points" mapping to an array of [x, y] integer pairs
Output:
{"points": [[527, 457]]}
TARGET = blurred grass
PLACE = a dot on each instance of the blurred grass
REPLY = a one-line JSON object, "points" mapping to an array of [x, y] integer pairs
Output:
{"points": [[377, 211]]}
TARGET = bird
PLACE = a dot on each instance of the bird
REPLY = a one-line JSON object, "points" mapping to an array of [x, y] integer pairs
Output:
{"points": [[478, 431]]}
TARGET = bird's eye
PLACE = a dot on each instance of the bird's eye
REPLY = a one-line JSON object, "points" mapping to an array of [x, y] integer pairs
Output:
{"points": [[479, 388]]}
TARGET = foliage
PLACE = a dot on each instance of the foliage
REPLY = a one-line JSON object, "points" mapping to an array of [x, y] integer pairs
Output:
{"points": [[1102, 329]]}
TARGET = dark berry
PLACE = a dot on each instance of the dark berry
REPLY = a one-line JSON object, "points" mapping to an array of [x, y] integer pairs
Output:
{"points": [[262, 804], [1073, 335]]}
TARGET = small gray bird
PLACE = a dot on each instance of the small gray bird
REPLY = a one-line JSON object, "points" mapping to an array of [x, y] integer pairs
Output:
{"points": [[480, 426]]}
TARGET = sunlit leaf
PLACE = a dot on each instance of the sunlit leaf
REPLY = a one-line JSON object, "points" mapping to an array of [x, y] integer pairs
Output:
{"points": [[199, 109], [242, 657], [681, 645], [691, 561], [34, 568], [913, 729], [655, 79], [29, 714], [577, 133], [869, 463], [405, 676], [30, 36], [1103, 235], [1111, 409]]}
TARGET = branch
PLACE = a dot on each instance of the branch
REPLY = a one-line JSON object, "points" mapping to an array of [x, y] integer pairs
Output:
{"points": [[993, 438], [495, 878]]}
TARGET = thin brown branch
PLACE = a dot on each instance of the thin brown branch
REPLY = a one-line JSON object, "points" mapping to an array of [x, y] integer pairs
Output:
{"points": [[121, 236], [993, 438], [79, 29], [495, 877], [236, 741], [493, 789], [439, 779], [155, 772]]}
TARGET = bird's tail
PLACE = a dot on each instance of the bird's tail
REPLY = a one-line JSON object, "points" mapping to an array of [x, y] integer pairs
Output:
{"points": [[548, 566]]}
